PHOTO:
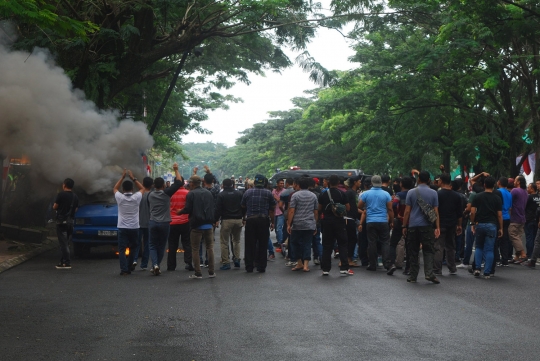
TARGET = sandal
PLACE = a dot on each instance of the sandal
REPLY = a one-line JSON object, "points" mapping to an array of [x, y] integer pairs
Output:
{"points": [[296, 269]]}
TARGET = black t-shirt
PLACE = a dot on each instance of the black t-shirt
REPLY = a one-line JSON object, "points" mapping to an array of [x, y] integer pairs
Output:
{"points": [[388, 189], [351, 199], [533, 202], [487, 205], [338, 196], [64, 199], [450, 207]]}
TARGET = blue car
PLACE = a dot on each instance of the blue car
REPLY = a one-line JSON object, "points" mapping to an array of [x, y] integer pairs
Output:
{"points": [[95, 225]]}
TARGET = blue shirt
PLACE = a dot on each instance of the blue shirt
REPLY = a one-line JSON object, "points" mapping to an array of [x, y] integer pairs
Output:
{"points": [[417, 218], [376, 199], [258, 201], [507, 202]]}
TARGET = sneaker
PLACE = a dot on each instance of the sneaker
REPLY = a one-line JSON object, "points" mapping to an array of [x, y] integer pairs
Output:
{"points": [[195, 276], [350, 272], [133, 266], [156, 271], [316, 261], [206, 264], [463, 265], [470, 270], [391, 271], [144, 268], [290, 264], [236, 263], [226, 267], [326, 273], [336, 254], [530, 264], [346, 272], [411, 280], [453, 272], [487, 277], [213, 275], [63, 266], [272, 258], [477, 273], [276, 244], [406, 272], [506, 265], [433, 279], [189, 267], [498, 264]]}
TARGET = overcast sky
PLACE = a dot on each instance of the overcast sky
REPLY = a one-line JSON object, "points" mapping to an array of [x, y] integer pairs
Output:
{"points": [[274, 91]]}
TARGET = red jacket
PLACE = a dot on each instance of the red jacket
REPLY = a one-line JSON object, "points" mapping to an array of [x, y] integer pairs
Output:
{"points": [[178, 201]]}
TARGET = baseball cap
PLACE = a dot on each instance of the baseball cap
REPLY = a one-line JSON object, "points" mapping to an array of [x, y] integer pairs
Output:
{"points": [[376, 181], [259, 180], [316, 180]]}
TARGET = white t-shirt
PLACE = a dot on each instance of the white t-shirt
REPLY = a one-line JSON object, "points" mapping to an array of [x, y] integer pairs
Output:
{"points": [[128, 209]]}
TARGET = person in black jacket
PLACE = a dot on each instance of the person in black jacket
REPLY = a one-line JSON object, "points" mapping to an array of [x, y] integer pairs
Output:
{"points": [[200, 207], [230, 211]]}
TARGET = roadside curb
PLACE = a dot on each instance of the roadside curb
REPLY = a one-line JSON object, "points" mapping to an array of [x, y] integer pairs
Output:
{"points": [[47, 245]]}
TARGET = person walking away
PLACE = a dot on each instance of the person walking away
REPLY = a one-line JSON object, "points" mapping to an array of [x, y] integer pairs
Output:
{"points": [[486, 215], [353, 217], [159, 204], [531, 217], [179, 231], [397, 240], [333, 228], [200, 208], [144, 217], [504, 250], [379, 218], [302, 223], [128, 220], [450, 215], [259, 204], [229, 210], [65, 204], [419, 230], [516, 228]]}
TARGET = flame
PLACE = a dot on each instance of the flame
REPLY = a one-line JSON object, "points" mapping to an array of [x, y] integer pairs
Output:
{"points": [[127, 252], [179, 250]]}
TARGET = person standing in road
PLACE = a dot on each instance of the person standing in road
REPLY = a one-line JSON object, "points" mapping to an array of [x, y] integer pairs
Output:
{"points": [[486, 216], [379, 218], [419, 230], [144, 217], [66, 205], [302, 223], [229, 210], [516, 229], [280, 218], [259, 204], [128, 220], [180, 231], [200, 207], [450, 214], [159, 202], [353, 215], [333, 228]]}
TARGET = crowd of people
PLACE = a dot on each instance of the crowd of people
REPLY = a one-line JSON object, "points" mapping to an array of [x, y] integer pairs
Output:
{"points": [[364, 221]]}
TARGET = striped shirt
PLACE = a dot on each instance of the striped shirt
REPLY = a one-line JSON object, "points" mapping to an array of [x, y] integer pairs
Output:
{"points": [[304, 203], [258, 201]]}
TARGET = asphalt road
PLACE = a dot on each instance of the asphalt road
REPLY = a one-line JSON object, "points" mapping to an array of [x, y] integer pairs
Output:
{"points": [[92, 313]]}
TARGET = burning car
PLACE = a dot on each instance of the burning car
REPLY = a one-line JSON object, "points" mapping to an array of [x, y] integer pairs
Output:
{"points": [[95, 225]]}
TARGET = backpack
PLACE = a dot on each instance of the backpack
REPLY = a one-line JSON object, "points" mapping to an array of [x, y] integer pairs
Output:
{"points": [[427, 210], [339, 210]]}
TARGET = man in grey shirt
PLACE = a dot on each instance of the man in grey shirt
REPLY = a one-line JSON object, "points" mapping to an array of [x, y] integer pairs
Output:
{"points": [[418, 230], [160, 218], [302, 223]]}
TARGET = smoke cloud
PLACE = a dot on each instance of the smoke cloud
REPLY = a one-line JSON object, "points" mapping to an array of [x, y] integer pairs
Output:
{"points": [[62, 133]]}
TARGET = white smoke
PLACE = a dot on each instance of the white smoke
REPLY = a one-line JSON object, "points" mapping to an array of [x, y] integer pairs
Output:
{"points": [[63, 134]]}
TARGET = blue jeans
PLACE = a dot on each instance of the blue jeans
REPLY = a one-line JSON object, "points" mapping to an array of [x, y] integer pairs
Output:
{"points": [[469, 241], [530, 234], [126, 238], [485, 234], [159, 234], [143, 238], [270, 247], [301, 242], [280, 222], [316, 244]]}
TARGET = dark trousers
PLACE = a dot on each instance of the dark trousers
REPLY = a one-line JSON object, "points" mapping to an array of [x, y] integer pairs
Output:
{"points": [[352, 239], [505, 246], [256, 242], [363, 245], [394, 240], [334, 230], [64, 233], [177, 233], [445, 242], [426, 237], [127, 238], [378, 233]]}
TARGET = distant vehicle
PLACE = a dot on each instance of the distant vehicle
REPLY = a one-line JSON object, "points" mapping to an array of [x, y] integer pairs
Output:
{"points": [[95, 225], [315, 173]]}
